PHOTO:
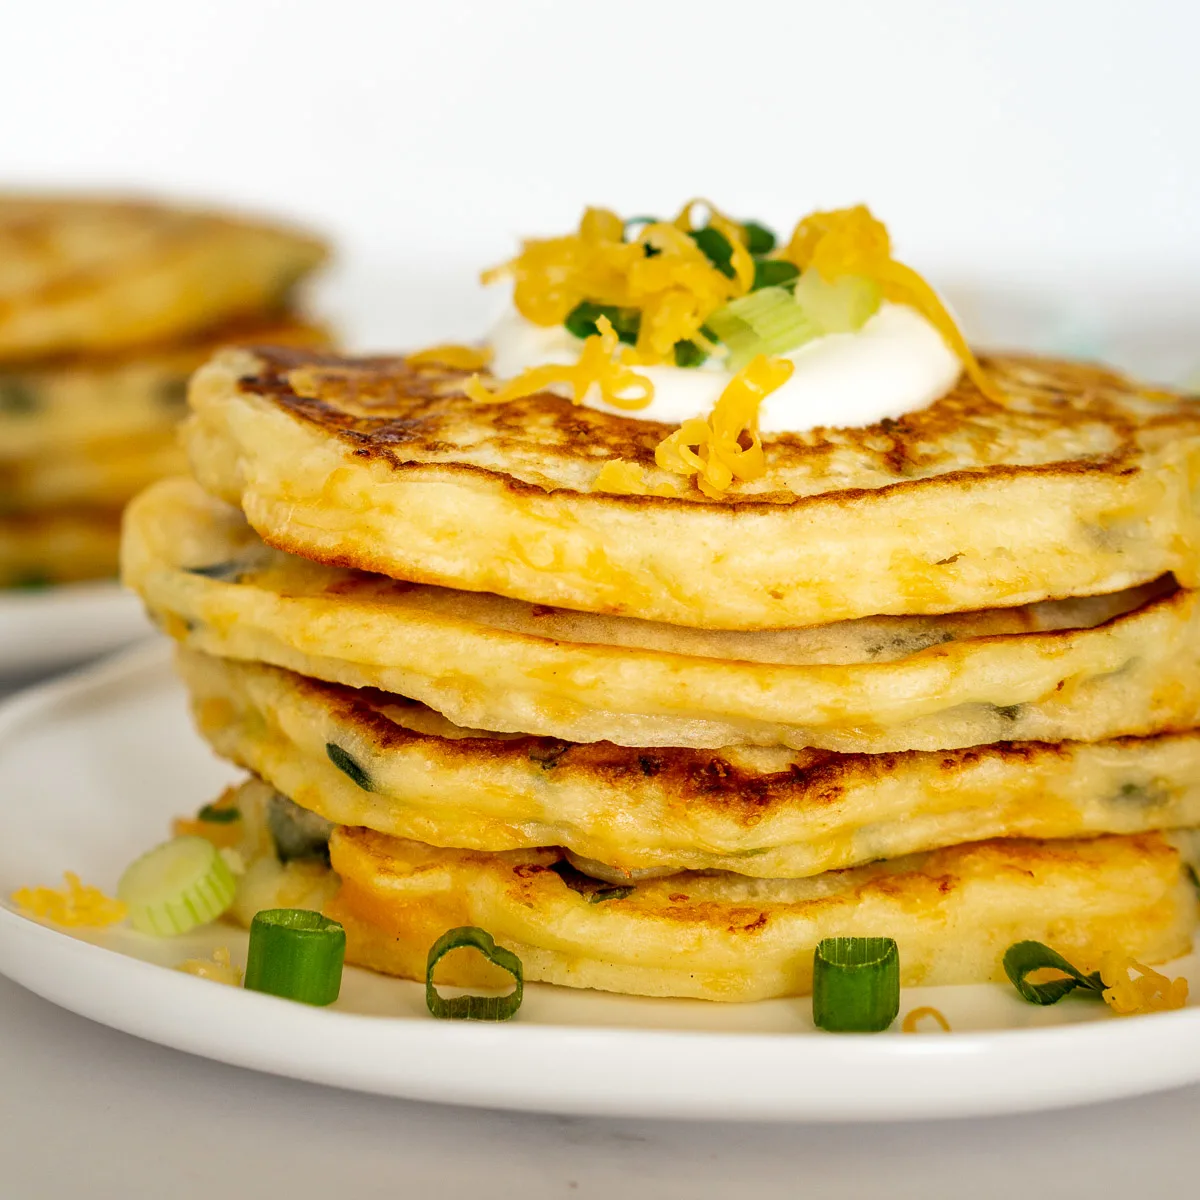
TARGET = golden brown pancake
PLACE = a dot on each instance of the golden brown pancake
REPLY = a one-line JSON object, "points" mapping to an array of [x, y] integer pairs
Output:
{"points": [[80, 274], [58, 546], [1085, 670], [1080, 483], [366, 758]]}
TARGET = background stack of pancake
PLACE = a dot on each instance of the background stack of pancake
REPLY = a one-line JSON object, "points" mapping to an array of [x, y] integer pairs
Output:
{"points": [[935, 680], [105, 309]]}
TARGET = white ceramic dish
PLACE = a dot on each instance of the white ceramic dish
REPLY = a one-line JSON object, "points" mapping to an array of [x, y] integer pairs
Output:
{"points": [[93, 767], [47, 629]]}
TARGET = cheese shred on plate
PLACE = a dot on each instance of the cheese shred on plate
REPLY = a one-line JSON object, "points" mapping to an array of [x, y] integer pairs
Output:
{"points": [[218, 968], [914, 1018], [1144, 991], [77, 904]]}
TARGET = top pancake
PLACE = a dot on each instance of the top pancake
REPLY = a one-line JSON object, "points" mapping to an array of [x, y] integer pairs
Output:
{"points": [[84, 275], [1078, 484]]}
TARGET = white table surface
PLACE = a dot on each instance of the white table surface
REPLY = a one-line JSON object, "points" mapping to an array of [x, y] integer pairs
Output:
{"points": [[89, 1114]]}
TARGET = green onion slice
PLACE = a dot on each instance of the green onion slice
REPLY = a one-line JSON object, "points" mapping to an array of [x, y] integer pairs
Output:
{"points": [[176, 886], [843, 306], [856, 984], [759, 239], [764, 322], [1023, 958], [716, 248], [219, 816], [688, 354], [474, 1008], [774, 272], [348, 766], [583, 320], [297, 954]]}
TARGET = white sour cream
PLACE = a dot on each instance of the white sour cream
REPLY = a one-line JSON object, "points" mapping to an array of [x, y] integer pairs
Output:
{"points": [[896, 363]]}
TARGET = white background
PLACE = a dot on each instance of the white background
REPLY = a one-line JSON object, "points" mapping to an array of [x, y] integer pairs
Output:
{"points": [[1003, 142]]}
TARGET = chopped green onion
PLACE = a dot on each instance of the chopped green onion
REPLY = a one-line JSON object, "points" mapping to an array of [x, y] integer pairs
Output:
{"points": [[636, 224], [32, 581], [583, 320], [856, 984], [173, 392], [348, 766], [219, 816], [843, 306], [688, 354], [17, 398], [474, 1008], [230, 571], [759, 239], [297, 832], [176, 886], [1023, 958], [716, 248], [609, 893], [764, 322], [297, 954], [774, 272]]}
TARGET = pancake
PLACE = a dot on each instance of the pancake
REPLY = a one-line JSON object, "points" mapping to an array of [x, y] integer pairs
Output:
{"points": [[98, 429], [1085, 670], [64, 546], [1079, 484], [95, 274], [716, 936], [757, 811]]}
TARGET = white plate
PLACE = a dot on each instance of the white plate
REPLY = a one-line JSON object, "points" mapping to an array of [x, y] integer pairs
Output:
{"points": [[93, 768], [45, 629]]}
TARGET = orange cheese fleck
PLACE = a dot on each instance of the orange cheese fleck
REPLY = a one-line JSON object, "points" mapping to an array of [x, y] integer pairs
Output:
{"points": [[77, 904], [462, 358], [1145, 992], [914, 1018], [625, 478], [711, 449]]}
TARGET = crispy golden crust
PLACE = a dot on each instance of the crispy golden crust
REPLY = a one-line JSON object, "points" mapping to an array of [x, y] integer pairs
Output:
{"points": [[1079, 484], [716, 936], [768, 813], [1085, 670], [90, 274], [97, 430]]}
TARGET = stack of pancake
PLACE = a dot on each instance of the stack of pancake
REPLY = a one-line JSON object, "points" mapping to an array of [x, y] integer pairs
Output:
{"points": [[106, 307], [937, 679]]}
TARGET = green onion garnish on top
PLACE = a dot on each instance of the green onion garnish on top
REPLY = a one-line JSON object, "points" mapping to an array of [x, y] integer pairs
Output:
{"points": [[1023, 958], [856, 984], [759, 239], [582, 321], [764, 322], [474, 1008], [774, 272], [219, 816], [297, 954], [716, 248]]}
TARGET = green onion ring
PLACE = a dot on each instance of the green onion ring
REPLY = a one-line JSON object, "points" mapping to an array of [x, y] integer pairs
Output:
{"points": [[856, 984], [297, 954], [1023, 958], [474, 1008]]}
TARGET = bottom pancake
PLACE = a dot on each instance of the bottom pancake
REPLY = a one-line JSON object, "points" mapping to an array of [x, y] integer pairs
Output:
{"points": [[58, 546], [710, 934]]}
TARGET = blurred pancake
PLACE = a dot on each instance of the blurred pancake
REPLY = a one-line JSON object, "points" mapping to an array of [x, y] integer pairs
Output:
{"points": [[62, 546], [93, 274], [98, 429], [1085, 670], [362, 757], [1080, 483]]}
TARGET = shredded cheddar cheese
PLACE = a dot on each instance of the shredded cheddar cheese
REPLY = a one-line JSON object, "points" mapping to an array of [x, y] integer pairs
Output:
{"points": [[661, 272], [1146, 992], [461, 358], [77, 904], [218, 968], [711, 448], [625, 478], [850, 241], [914, 1018], [598, 367]]}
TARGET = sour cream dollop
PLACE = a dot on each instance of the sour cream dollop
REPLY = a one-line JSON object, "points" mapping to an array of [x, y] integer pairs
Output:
{"points": [[896, 363]]}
